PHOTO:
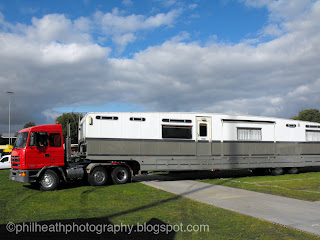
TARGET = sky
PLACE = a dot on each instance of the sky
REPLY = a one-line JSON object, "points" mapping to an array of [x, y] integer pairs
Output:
{"points": [[255, 57]]}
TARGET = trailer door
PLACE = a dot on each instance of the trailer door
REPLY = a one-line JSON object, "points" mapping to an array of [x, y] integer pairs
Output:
{"points": [[204, 136]]}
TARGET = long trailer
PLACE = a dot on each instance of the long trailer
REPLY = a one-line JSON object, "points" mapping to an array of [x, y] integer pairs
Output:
{"points": [[120, 145], [199, 141]]}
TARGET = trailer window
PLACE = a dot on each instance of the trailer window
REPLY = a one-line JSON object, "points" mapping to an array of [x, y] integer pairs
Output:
{"points": [[180, 132], [55, 140], [249, 134], [203, 130], [313, 136]]}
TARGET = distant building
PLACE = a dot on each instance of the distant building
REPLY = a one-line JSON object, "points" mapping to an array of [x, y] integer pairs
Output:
{"points": [[13, 136]]}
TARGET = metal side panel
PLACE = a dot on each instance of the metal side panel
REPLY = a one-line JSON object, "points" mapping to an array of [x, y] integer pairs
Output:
{"points": [[169, 148], [310, 148], [216, 148], [204, 148], [263, 148], [287, 148], [188, 148], [149, 148], [93, 147], [235, 148], [112, 147], [131, 147], [183, 164]]}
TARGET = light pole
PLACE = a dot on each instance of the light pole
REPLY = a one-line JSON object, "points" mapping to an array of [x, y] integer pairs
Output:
{"points": [[10, 93]]}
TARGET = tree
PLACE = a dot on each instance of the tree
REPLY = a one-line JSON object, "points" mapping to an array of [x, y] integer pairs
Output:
{"points": [[310, 115], [29, 124], [74, 123]]}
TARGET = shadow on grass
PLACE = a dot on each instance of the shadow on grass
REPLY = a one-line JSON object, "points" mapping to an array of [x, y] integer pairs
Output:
{"points": [[97, 228], [193, 175], [199, 175], [92, 228]]}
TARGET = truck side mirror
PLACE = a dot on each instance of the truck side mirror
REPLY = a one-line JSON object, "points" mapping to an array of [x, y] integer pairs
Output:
{"points": [[32, 140]]}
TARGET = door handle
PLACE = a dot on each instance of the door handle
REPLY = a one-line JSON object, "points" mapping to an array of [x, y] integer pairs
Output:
{"points": [[47, 155]]}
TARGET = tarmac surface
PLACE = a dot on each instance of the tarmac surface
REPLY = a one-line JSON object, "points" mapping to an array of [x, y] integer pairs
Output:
{"points": [[298, 214]]}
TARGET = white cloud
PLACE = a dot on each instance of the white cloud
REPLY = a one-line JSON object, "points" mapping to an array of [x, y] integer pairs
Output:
{"points": [[56, 27], [282, 13], [127, 2], [63, 66], [114, 22], [123, 28], [123, 40], [61, 53], [193, 6]]}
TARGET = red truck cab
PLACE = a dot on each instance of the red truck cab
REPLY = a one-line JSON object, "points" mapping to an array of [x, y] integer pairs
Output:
{"points": [[38, 157], [36, 148]]}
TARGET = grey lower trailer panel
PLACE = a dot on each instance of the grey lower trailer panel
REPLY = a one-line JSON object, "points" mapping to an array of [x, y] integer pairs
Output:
{"points": [[164, 155], [162, 163]]}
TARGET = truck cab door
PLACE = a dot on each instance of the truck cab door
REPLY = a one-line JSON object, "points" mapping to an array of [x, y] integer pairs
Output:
{"points": [[38, 151], [56, 149]]}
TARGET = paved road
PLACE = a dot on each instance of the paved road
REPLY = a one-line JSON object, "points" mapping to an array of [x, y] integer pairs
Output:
{"points": [[294, 213]]}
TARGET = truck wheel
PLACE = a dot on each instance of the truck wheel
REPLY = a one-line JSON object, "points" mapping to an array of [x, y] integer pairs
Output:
{"points": [[49, 181], [121, 175], [293, 170], [277, 171], [98, 177]]}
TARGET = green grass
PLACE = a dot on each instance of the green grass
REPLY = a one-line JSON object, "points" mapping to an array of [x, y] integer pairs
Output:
{"points": [[130, 204], [304, 186]]}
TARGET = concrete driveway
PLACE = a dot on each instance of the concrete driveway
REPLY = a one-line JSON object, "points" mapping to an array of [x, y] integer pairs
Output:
{"points": [[290, 212]]}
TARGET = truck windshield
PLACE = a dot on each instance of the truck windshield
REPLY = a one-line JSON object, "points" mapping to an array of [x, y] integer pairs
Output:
{"points": [[21, 140]]}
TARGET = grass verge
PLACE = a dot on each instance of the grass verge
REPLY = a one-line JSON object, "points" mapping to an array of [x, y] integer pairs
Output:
{"points": [[304, 186], [131, 204]]}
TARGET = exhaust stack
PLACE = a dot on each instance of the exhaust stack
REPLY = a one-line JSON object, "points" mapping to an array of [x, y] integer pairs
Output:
{"points": [[68, 143]]}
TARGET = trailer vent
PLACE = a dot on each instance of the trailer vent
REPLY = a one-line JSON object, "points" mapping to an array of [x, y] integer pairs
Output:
{"points": [[176, 120], [291, 125], [137, 119], [106, 118], [312, 126]]}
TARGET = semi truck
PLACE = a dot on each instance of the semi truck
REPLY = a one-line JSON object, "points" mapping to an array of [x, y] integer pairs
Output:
{"points": [[117, 146]]}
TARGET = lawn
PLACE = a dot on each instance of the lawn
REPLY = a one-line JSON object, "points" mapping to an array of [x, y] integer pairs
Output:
{"points": [[304, 186], [130, 204]]}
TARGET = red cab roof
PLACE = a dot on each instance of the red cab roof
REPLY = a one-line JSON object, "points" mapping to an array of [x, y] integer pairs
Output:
{"points": [[44, 128]]}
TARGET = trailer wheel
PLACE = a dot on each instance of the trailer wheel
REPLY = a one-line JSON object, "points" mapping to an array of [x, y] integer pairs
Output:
{"points": [[293, 170], [98, 177], [49, 181], [277, 171], [121, 175]]}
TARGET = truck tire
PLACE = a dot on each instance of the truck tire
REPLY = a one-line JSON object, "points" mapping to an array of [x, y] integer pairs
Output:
{"points": [[293, 170], [277, 171], [98, 177], [121, 175], [49, 181]]}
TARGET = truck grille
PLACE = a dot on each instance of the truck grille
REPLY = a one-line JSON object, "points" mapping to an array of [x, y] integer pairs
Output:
{"points": [[15, 165], [15, 158]]}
